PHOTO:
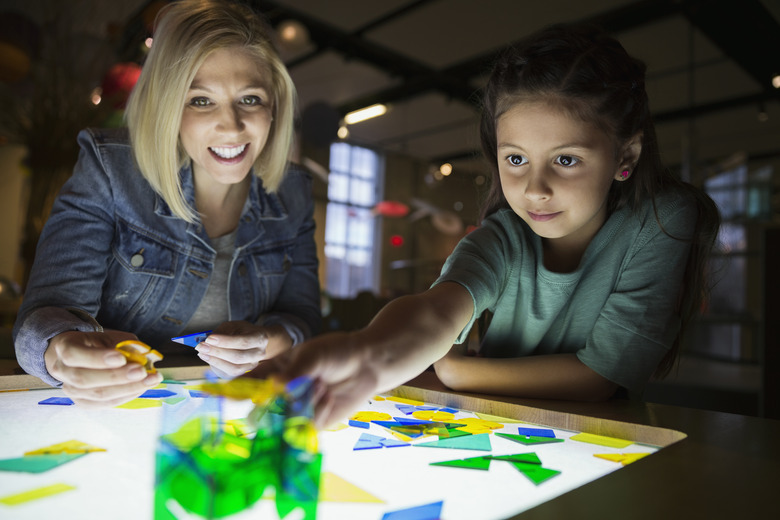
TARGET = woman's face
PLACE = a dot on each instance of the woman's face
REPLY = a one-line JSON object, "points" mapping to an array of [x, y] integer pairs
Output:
{"points": [[555, 171], [227, 117]]}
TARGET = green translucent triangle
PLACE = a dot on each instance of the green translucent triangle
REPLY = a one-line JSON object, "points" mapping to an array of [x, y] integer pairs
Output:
{"points": [[535, 473], [528, 458], [482, 463], [468, 442], [452, 433], [528, 439]]}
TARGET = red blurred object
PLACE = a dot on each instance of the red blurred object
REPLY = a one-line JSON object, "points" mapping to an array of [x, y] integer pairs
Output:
{"points": [[396, 240], [391, 208], [119, 82]]}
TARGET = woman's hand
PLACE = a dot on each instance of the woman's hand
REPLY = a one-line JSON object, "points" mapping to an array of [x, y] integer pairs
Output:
{"points": [[92, 372], [235, 347]]}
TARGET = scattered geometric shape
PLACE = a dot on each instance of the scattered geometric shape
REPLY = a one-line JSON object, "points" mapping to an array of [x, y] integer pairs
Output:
{"points": [[172, 382], [156, 393], [335, 489], [535, 473], [424, 512], [407, 421], [368, 442], [407, 409], [432, 415], [449, 410], [536, 432], [479, 442], [173, 400], [336, 427], [476, 426], [528, 441], [37, 463], [35, 494], [378, 398], [65, 447], [450, 433], [427, 407], [371, 416], [623, 458], [601, 440], [497, 418], [526, 458], [61, 401], [138, 403], [198, 394], [482, 463], [393, 443], [403, 400], [359, 424], [139, 352]]}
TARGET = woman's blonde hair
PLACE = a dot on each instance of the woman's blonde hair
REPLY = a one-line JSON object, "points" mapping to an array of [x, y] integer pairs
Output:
{"points": [[187, 32]]}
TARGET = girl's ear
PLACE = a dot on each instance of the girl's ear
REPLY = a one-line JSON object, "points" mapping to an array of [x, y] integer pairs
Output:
{"points": [[630, 156]]}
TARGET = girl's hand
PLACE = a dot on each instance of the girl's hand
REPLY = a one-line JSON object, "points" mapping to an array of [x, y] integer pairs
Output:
{"points": [[345, 374], [92, 372], [235, 347]]}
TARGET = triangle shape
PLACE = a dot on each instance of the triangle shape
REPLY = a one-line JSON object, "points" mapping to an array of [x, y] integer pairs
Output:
{"points": [[482, 463], [527, 458], [535, 473], [479, 442], [335, 489], [528, 441]]}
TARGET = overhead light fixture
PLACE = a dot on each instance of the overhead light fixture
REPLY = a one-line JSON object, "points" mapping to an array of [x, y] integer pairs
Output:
{"points": [[445, 169], [357, 116], [343, 132], [776, 81]]}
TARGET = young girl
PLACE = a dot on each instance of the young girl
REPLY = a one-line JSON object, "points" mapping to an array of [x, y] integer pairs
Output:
{"points": [[589, 260], [189, 220]]}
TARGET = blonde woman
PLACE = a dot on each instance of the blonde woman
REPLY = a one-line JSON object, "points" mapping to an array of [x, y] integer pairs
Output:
{"points": [[191, 219]]}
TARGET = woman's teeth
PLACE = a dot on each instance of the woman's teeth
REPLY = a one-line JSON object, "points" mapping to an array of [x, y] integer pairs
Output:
{"points": [[228, 153]]}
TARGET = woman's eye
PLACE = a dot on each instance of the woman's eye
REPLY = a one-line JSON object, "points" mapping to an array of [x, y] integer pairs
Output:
{"points": [[567, 160], [200, 102], [251, 101], [516, 160]]}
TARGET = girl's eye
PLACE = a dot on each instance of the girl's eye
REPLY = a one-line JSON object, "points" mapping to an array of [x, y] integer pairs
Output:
{"points": [[516, 160], [200, 102], [567, 160]]}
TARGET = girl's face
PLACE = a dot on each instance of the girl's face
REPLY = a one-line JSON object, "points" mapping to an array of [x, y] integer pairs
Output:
{"points": [[555, 173], [227, 117]]}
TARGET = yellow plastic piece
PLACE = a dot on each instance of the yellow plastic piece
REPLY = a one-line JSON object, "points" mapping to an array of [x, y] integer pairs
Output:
{"points": [[371, 416], [35, 494], [601, 440], [432, 415], [139, 352], [258, 390], [73, 446], [623, 458]]}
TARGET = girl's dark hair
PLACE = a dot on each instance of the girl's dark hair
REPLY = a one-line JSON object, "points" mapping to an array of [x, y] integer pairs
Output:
{"points": [[590, 75]]}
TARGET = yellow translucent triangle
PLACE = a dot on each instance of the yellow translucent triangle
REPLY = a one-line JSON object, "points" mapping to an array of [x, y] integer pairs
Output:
{"points": [[35, 494], [601, 440], [623, 458], [335, 489], [403, 400], [498, 419], [137, 404], [65, 447], [336, 427]]}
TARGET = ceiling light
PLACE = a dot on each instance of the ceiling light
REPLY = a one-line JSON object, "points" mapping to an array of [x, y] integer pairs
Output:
{"points": [[445, 169], [343, 132], [776, 81], [364, 113]]}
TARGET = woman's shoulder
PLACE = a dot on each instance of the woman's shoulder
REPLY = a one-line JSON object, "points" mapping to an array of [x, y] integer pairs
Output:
{"points": [[105, 137]]}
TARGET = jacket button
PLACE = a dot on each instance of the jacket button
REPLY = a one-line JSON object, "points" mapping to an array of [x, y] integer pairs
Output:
{"points": [[242, 270], [137, 260]]}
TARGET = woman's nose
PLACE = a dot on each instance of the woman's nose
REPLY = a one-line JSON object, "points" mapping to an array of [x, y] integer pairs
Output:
{"points": [[230, 120]]}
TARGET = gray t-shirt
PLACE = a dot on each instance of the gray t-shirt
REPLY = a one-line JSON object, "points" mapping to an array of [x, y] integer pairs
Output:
{"points": [[616, 311], [213, 308]]}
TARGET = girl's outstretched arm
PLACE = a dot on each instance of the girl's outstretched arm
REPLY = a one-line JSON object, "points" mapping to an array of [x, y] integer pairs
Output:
{"points": [[404, 338], [553, 376]]}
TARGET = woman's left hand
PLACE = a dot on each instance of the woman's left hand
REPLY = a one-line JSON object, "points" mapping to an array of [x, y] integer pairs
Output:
{"points": [[236, 347]]}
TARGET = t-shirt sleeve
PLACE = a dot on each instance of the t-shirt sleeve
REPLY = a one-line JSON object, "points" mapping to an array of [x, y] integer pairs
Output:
{"points": [[639, 321], [479, 263]]}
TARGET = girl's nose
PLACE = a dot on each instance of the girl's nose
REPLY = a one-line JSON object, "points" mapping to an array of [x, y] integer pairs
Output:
{"points": [[537, 188]]}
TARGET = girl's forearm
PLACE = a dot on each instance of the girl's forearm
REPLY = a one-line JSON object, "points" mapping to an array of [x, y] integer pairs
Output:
{"points": [[555, 376], [412, 332]]}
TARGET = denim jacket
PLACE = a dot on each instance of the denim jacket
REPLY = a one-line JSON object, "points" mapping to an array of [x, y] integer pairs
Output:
{"points": [[113, 255]]}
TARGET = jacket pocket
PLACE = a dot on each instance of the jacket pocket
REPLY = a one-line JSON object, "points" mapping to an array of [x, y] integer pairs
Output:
{"points": [[141, 252]]}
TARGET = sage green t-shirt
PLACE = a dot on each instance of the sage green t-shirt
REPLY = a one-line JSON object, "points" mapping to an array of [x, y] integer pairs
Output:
{"points": [[616, 311]]}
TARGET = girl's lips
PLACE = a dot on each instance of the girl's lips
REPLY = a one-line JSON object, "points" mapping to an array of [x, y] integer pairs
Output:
{"points": [[543, 217]]}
